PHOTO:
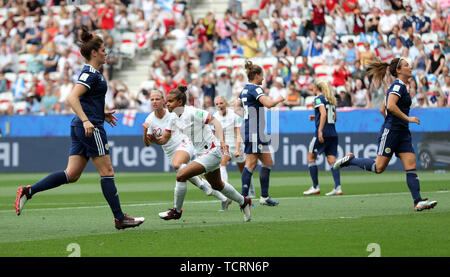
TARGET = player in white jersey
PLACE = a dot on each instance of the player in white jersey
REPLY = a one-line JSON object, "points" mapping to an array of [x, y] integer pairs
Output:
{"points": [[231, 124], [209, 147], [179, 150]]}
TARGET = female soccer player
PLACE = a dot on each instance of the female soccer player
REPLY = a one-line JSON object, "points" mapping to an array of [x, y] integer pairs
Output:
{"points": [[231, 124], [257, 144], [179, 150], [88, 136], [325, 139], [394, 136], [195, 124]]}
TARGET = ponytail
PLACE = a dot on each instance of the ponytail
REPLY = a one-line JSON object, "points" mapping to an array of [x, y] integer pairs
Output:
{"points": [[89, 43], [180, 93]]}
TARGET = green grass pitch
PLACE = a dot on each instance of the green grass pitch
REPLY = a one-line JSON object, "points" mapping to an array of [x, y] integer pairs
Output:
{"points": [[374, 210]]}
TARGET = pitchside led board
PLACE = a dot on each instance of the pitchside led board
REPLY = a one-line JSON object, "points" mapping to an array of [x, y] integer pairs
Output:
{"points": [[41, 144]]}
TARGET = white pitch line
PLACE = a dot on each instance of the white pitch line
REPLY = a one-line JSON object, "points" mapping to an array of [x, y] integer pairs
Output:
{"points": [[215, 201]]}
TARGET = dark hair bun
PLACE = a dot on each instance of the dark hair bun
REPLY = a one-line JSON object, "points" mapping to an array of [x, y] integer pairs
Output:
{"points": [[182, 89], [85, 35]]}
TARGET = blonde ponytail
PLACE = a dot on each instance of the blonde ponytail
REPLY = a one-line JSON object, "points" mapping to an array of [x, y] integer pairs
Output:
{"points": [[326, 90]]}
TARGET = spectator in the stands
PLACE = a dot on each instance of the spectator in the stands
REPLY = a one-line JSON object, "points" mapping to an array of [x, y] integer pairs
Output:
{"points": [[422, 22], [387, 22], [6, 58], [319, 17], [223, 86], [51, 62], [313, 45], [35, 62], [330, 55], [33, 35], [280, 45], [294, 46], [249, 43], [436, 61], [408, 19]]}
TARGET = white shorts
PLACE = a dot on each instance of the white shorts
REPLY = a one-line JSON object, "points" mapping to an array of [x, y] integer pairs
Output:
{"points": [[186, 145], [210, 160], [241, 157]]}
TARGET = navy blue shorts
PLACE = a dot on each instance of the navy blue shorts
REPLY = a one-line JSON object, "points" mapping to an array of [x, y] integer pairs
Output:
{"points": [[95, 146], [329, 146], [257, 147], [390, 142]]}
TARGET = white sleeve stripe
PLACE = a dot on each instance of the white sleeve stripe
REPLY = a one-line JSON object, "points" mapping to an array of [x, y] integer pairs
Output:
{"points": [[259, 95], [321, 104], [396, 93], [79, 82]]}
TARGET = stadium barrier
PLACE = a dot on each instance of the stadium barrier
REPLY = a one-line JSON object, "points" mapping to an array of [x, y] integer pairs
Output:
{"points": [[41, 144]]}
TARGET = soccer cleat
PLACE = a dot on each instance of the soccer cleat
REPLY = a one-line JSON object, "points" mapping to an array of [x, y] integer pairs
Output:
{"points": [[128, 222], [251, 191], [246, 209], [170, 214], [312, 190], [424, 204], [343, 162], [268, 201], [23, 194], [335, 191], [225, 205]]}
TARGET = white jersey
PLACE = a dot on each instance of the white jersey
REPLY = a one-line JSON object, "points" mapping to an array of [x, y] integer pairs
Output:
{"points": [[230, 121], [194, 124], [159, 125]]}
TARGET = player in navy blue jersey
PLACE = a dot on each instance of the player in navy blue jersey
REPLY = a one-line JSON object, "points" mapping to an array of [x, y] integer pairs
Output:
{"points": [[257, 145], [325, 139], [88, 136], [394, 136]]}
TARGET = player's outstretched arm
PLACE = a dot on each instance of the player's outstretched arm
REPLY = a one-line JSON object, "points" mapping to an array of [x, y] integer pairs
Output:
{"points": [[268, 102]]}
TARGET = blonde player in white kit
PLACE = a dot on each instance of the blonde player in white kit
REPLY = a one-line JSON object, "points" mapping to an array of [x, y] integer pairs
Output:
{"points": [[179, 150], [231, 124], [195, 124]]}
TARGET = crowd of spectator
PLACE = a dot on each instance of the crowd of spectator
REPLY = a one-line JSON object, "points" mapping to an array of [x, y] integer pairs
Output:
{"points": [[296, 42]]}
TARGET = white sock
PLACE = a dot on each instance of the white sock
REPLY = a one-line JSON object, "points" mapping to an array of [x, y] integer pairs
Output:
{"points": [[218, 195], [179, 195], [224, 174], [230, 192]]}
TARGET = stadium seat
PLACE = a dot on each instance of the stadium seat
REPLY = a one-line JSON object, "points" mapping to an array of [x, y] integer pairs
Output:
{"points": [[238, 63], [309, 101], [223, 64], [269, 62], [6, 98], [20, 107], [429, 38]]}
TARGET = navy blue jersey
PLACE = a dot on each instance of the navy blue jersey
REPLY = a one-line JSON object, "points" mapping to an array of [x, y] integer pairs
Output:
{"points": [[254, 117], [328, 129], [93, 101], [404, 102]]}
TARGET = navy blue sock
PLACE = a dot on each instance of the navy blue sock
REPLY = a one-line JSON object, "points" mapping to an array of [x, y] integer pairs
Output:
{"points": [[366, 164], [51, 181], [336, 177], [246, 180], [413, 184], [314, 172], [110, 192], [264, 177]]}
